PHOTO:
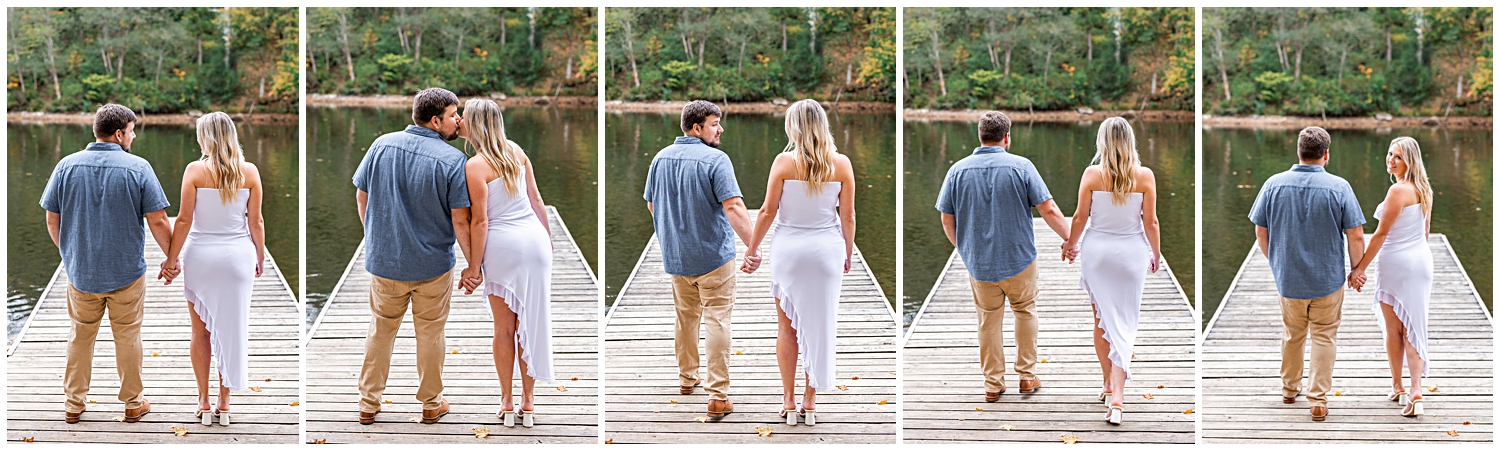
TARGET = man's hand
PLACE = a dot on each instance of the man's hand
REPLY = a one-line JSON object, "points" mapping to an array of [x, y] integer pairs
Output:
{"points": [[751, 262], [470, 279], [1357, 279]]}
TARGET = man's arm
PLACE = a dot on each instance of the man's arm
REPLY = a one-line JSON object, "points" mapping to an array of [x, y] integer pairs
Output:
{"points": [[739, 217], [363, 199], [1263, 239], [54, 228], [161, 228], [461, 232], [649, 209], [1356, 238], [1054, 218], [950, 227]]}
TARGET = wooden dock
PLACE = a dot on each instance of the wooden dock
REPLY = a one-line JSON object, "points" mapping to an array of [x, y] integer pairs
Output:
{"points": [[566, 411], [35, 365], [1241, 356], [944, 387], [642, 403]]}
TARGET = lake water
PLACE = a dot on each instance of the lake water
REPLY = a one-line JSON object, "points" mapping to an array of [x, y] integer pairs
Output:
{"points": [[752, 142], [1060, 151], [1238, 161], [560, 142], [36, 148]]}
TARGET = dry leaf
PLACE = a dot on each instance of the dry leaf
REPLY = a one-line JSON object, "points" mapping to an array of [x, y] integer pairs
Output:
{"points": [[481, 432], [740, 352], [389, 401], [844, 387], [29, 439], [455, 351], [1432, 388], [268, 379], [1453, 433], [893, 373], [255, 389], [575, 378], [765, 431], [1044, 360], [93, 401], [415, 419], [855, 378], [1069, 439], [320, 441], [155, 354], [656, 411], [1187, 412], [1148, 396], [673, 401], [1338, 393], [180, 431], [1467, 423], [1007, 427], [120, 419], [609, 441], [960, 419], [978, 409], [296, 403], [1161, 386], [562, 388], [701, 419], [881, 403]]}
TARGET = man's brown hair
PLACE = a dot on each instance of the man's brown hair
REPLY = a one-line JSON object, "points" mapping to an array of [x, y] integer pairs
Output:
{"points": [[431, 102], [696, 112], [112, 118], [1312, 143], [993, 127]]}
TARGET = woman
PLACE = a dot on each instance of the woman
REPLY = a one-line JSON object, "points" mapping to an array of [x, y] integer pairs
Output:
{"points": [[1117, 201], [1405, 267], [814, 184], [221, 238], [509, 228]]}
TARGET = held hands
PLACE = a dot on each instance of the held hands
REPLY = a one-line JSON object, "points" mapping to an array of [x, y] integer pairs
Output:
{"points": [[1069, 252], [470, 279], [170, 269], [751, 262], [1357, 279]]}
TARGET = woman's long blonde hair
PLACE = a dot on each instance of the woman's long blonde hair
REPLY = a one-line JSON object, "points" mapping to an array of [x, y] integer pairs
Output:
{"points": [[222, 153], [487, 132], [1416, 173], [1117, 158], [810, 143]]}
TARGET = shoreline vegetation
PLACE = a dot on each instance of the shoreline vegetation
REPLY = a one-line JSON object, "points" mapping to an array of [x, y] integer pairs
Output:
{"points": [[1346, 123], [1081, 115], [776, 106], [191, 118], [153, 60], [395, 101]]}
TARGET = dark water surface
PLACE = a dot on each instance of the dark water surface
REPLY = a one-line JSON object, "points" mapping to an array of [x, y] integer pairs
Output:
{"points": [[1238, 161], [752, 142], [560, 143], [36, 148], [1060, 151]]}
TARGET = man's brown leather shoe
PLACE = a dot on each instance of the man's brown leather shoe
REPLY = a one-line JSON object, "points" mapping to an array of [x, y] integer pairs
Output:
{"points": [[432, 416], [1286, 400], [73, 417], [134, 415], [368, 417], [719, 408], [687, 389], [1030, 385], [992, 396], [1319, 413]]}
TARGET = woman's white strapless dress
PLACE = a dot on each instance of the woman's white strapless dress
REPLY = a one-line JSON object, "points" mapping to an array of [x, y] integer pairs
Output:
{"points": [[807, 270], [1404, 276], [518, 267], [1116, 258], [218, 270]]}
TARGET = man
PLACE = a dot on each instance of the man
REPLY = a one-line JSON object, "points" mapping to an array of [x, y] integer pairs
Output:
{"points": [[414, 203], [986, 203], [1303, 219], [697, 209], [96, 201]]}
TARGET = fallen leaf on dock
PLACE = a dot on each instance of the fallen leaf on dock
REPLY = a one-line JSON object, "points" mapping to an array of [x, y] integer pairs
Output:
{"points": [[844, 387], [1161, 386], [1467, 423], [1338, 393], [268, 379], [855, 378], [389, 401], [93, 401], [29, 439], [562, 388], [1069, 439], [764, 431], [881, 403], [296, 403], [1148, 396], [180, 431], [320, 441], [1453, 433], [1007, 427], [481, 432], [610, 441], [978, 409], [673, 401], [575, 378], [740, 352], [1044, 360], [155, 354], [455, 350], [1432, 388], [120, 419], [701, 419], [255, 389], [1187, 412]]}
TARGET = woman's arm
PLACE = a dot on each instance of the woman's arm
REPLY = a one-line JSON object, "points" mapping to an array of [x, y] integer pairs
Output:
{"points": [[184, 223], [844, 174], [1148, 216], [475, 173], [537, 206], [768, 209], [1081, 214], [256, 221]]}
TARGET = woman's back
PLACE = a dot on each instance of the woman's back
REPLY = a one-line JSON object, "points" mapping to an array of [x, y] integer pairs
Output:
{"points": [[799, 209]]}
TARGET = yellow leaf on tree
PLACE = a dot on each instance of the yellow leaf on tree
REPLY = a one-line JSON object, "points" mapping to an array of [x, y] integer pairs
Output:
{"points": [[764, 431], [481, 432], [180, 431], [1007, 427], [1069, 439], [881, 403], [296, 403]]}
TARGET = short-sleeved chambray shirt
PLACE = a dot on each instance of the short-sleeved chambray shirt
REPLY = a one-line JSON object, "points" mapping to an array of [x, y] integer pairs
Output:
{"points": [[415, 180], [686, 186], [1306, 211], [991, 194], [102, 195]]}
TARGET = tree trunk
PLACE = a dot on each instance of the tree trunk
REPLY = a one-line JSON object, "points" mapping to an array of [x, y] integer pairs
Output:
{"points": [[108, 65], [344, 42], [738, 66], [1297, 64], [458, 48], [120, 62], [701, 43], [52, 67], [629, 53], [502, 29], [937, 63], [1458, 90], [1219, 51], [1047, 66], [849, 72], [200, 51], [686, 49], [1089, 38], [1387, 44], [1007, 60], [417, 47], [156, 81], [262, 92], [783, 36], [1342, 57], [989, 47]]}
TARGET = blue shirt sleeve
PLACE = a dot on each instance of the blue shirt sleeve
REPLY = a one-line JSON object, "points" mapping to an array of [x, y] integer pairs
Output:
{"points": [[1036, 187], [362, 173], [945, 194], [650, 177], [725, 186], [51, 193], [152, 197], [1259, 211], [1353, 216], [458, 187]]}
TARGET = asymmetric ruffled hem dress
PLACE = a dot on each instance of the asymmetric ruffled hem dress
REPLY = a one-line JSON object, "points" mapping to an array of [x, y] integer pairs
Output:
{"points": [[218, 271], [807, 269], [518, 268], [1404, 277], [1116, 258]]}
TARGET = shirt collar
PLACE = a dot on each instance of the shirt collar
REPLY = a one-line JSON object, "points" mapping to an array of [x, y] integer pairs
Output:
{"points": [[988, 149], [688, 140], [1308, 168], [423, 131], [104, 147]]}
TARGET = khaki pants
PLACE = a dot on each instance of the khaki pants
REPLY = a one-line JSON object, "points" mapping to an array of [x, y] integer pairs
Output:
{"points": [[1319, 318], [126, 310], [990, 299], [429, 312], [709, 297]]}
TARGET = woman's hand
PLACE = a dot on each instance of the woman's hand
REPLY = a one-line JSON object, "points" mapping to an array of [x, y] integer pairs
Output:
{"points": [[847, 260], [260, 265], [1357, 279], [751, 262], [1155, 264], [170, 268], [470, 279], [1069, 252]]}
